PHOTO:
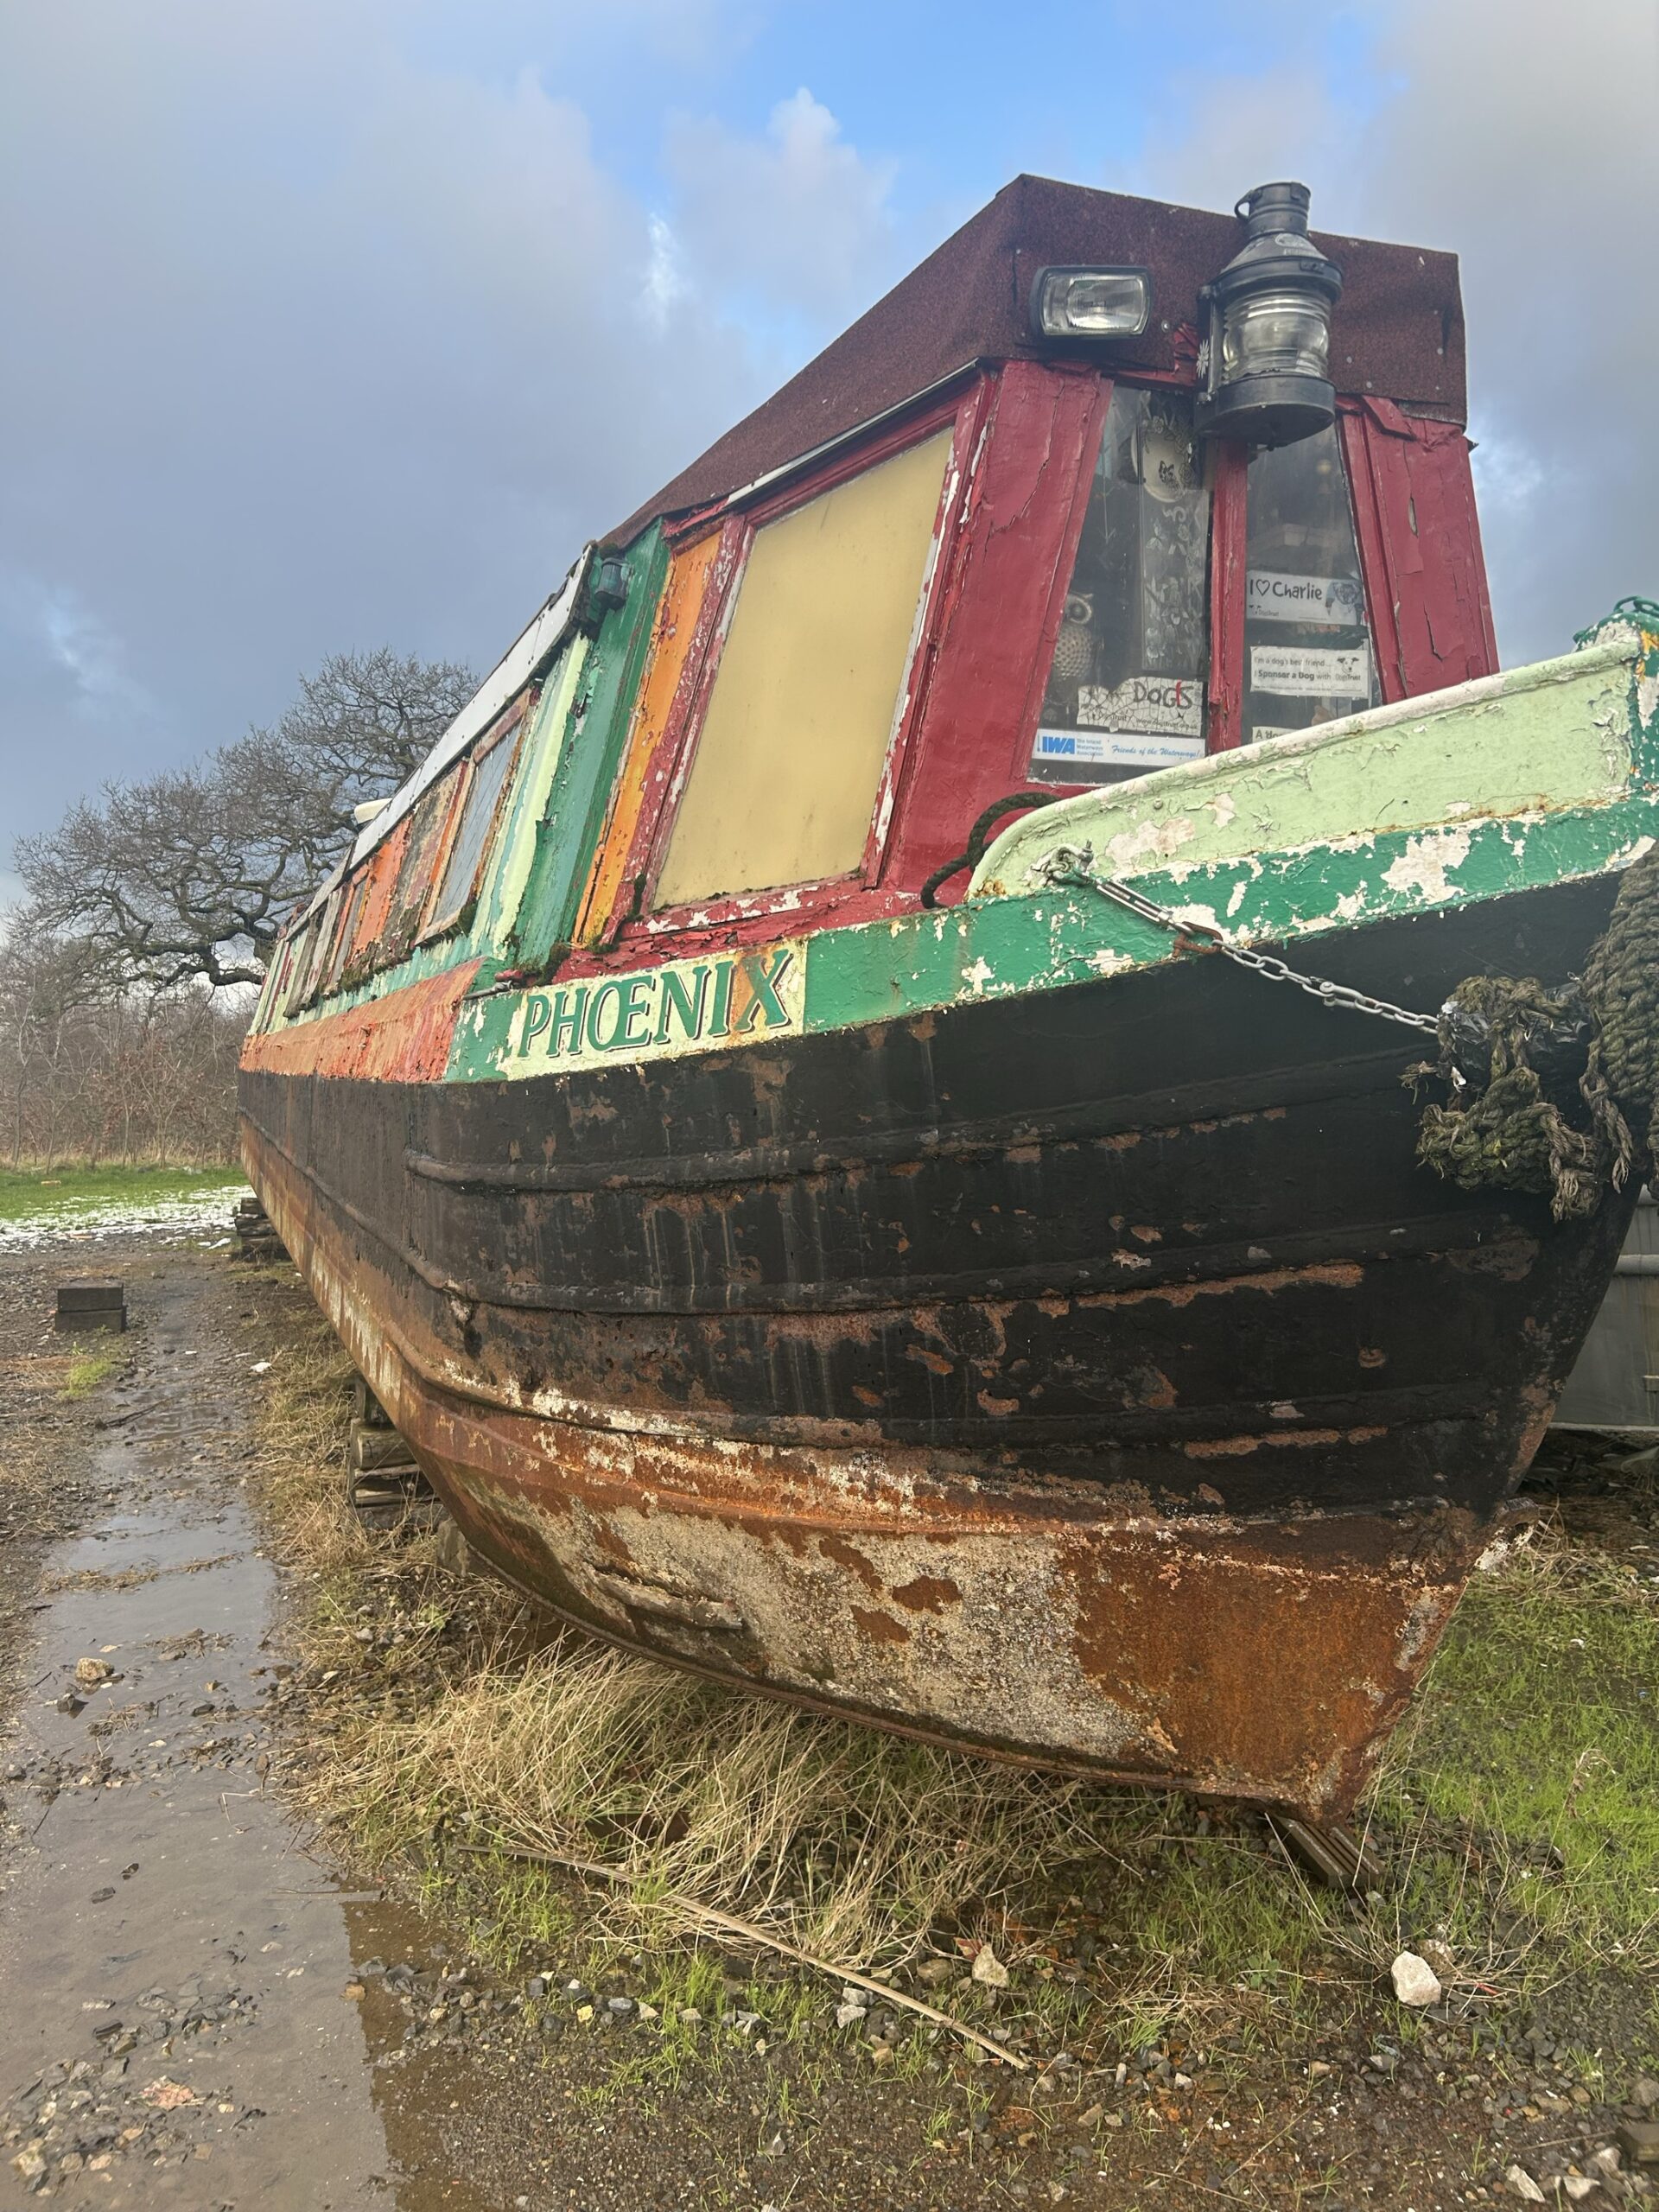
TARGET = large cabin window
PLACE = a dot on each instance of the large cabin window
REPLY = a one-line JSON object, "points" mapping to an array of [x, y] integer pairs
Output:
{"points": [[810, 687], [1307, 647], [1126, 692]]}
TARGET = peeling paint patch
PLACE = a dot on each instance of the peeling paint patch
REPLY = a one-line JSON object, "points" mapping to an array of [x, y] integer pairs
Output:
{"points": [[1425, 863]]}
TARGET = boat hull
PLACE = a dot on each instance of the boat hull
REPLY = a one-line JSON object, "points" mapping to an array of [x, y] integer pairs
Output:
{"points": [[1091, 1377]]}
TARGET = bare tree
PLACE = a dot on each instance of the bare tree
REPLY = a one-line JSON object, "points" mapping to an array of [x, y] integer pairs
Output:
{"points": [[95, 1073], [187, 875]]}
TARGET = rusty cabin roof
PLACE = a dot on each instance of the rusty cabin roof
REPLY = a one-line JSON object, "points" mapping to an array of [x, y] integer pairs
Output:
{"points": [[1397, 331]]}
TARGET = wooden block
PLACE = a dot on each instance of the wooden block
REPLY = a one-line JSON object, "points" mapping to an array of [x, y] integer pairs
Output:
{"points": [[86, 1294], [366, 1408], [377, 1448], [1639, 2140], [90, 1302], [112, 1317]]}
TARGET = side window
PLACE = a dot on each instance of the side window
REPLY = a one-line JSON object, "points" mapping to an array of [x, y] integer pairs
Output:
{"points": [[1307, 647], [486, 779], [1126, 692], [317, 961], [299, 974], [351, 912], [385, 866], [427, 824], [809, 687], [272, 998]]}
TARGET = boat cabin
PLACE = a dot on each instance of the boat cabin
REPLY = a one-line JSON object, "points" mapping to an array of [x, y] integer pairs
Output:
{"points": [[1101, 486]]}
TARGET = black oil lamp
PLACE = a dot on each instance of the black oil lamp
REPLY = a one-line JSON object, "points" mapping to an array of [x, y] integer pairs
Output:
{"points": [[1267, 355]]}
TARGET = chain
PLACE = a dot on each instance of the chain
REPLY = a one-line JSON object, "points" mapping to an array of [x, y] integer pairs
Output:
{"points": [[1075, 864]]}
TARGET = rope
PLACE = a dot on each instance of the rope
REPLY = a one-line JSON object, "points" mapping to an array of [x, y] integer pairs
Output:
{"points": [[1643, 612], [974, 852], [1555, 1070]]}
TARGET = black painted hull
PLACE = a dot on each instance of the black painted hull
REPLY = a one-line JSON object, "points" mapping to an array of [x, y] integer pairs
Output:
{"points": [[1151, 1251]]}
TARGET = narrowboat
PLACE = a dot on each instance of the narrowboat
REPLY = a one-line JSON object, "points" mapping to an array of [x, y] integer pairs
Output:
{"points": [[991, 1081]]}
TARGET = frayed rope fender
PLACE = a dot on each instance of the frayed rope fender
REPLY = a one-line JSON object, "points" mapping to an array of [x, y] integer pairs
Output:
{"points": [[1551, 1114]]}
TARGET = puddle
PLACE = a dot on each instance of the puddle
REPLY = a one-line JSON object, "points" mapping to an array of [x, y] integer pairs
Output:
{"points": [[188, 2026]]}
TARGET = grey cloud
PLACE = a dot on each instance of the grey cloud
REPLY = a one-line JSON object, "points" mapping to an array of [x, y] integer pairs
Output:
{"points": [[1520, 134], [309, 349]]}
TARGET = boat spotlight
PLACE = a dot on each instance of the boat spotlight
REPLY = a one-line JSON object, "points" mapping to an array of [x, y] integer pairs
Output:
{"points": [[1091, 303], [1266, 362]]}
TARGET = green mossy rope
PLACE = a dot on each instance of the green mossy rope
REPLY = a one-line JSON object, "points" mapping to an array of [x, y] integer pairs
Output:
{"points": [[1523, 1131]]}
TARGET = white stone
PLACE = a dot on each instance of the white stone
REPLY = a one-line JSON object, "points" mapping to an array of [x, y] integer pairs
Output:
{"points": [[1416, 1982], [1521, 2184], [989, 1969]]}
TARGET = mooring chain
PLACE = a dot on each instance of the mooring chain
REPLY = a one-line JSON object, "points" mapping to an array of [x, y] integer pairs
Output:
{"points": [[1075, 864]]}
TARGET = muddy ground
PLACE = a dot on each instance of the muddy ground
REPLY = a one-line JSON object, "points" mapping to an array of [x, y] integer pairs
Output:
{"points": [[202, 2011]]}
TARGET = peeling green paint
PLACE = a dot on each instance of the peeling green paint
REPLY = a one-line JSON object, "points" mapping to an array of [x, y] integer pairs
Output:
{"points": [[1551, 736], [1326, 831], [567, 826]]}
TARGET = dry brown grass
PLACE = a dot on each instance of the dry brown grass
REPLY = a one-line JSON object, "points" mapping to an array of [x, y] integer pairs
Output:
{"points": [[1514, 1810]]}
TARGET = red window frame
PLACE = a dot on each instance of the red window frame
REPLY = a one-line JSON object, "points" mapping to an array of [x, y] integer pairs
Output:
{"points": [[1027, 439], [962, 415]]}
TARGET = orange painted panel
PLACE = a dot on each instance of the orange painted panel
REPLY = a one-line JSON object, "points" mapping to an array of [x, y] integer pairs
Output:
{"points": [[382, 878], [402, 1038], [672, 635]]}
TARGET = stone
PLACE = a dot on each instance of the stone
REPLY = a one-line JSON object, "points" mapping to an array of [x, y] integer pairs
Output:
{"points": [[92, 1672], [851, 2009], [1416, 1983], [989, 1969], [1645, 2091], [1639, 2140], [933, 1973], [1520, 2182], [1577, 2187]]}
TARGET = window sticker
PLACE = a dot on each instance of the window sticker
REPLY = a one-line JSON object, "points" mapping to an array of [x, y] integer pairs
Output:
{"points": [[1114, 748], [1274, 596], [1311, 671], [1135, 618], [1151, 705]]}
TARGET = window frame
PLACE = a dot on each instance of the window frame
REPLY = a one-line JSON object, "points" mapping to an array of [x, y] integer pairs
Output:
{"points": [[508, 729], [960, 414]]}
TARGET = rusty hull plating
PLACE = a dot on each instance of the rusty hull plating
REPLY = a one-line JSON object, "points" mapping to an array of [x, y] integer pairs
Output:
{"points": [[1264, 1659]]}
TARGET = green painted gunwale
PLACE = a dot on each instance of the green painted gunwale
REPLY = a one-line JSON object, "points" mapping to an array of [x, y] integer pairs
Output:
{"points": [[1510, 784]]}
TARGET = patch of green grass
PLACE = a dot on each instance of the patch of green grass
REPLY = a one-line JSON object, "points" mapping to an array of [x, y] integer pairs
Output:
{"points": [[91, 1368], [27, 1192]]}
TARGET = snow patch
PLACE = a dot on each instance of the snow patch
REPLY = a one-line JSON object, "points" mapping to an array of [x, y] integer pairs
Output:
{"points": [[174, 1220]]}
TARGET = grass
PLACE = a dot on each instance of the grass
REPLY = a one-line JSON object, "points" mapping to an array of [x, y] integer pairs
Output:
{"points": [[87, 1369], [29, 1192], [1517, 1810]]}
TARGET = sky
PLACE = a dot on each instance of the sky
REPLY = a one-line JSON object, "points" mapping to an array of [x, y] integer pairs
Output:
{"points": [[335, 323]]}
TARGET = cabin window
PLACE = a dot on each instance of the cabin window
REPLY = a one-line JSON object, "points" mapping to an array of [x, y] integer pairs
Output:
{"points": [[273, 997], [486, 780], [810, 687], [1126, 692], [427, 824], [316, 962], [300, 973], [351, 913], [1308, 646]]}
